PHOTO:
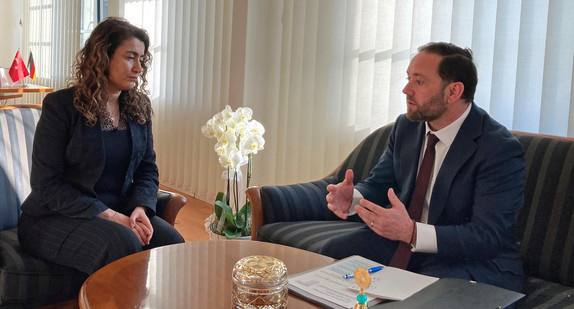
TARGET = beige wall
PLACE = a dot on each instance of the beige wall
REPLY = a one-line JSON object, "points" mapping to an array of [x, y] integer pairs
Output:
{"points": [[10, 31], [113, 7]]}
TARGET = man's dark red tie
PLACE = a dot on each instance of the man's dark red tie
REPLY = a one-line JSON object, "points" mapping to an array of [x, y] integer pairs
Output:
{"points": [[403, 254]]}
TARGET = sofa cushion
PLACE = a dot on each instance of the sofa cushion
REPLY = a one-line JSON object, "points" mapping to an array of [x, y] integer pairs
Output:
{"points": [[307, 235], [28, 281], [546, 294]]}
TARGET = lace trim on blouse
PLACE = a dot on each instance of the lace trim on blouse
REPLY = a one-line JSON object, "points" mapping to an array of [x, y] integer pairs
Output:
{"points": [[107, 123]]}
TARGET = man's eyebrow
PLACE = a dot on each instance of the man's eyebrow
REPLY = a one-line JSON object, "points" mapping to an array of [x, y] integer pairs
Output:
{"points": [[415, 74]]}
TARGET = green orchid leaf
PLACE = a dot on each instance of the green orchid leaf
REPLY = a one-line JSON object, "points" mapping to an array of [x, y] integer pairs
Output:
{"points": [[247, 208], [242, 215], [240, 220], [232, 233], [221, 207], [218, 209], [231, 219], [220, 196]]}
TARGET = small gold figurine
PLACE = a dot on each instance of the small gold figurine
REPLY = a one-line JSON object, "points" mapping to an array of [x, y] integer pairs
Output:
{"points": [[363, 280]]}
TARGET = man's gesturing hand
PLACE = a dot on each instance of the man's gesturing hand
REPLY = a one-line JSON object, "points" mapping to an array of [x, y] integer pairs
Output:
{"points": [[393, 223], [340, 195]]}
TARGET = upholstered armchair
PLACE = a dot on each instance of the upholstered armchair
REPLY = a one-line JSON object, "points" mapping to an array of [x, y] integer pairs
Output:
{"points": [[26, 281]]}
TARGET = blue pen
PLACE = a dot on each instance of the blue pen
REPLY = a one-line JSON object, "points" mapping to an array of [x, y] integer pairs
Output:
{"points": [[370, 270]]}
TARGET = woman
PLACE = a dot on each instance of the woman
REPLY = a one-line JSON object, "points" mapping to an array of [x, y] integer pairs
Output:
{"points": [[94, 178]]}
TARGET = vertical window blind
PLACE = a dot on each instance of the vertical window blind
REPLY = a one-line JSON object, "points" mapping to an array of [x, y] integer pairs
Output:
{"points": [[321, 75], [51, 31]]}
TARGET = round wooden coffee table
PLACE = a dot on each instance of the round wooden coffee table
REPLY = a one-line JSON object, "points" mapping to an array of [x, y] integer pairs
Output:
{"points": [[188, 275]]}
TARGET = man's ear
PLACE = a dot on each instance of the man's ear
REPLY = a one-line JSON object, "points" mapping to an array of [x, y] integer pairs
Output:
{"points": [[455, 90]]}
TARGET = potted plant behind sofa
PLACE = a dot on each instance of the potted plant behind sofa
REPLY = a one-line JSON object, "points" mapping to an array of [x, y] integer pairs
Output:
{"points": [[239, 137]]}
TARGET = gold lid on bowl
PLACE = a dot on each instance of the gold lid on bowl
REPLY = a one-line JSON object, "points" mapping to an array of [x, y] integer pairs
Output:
{"points": [[260, 271]]}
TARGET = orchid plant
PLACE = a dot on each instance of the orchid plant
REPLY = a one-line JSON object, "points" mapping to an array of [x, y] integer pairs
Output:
{"points": [[239, 137]]}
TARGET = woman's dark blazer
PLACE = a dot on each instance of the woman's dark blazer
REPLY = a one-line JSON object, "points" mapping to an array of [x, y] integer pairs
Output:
{"points": [[68, 159]]}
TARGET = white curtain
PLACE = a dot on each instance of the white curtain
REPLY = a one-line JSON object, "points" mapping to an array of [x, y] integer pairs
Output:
{"points": [[327, 73], [321, 75], [191, 43], [51, 31]]}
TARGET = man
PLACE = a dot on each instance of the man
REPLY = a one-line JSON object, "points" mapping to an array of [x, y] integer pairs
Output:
{"points": [[467, 222]]}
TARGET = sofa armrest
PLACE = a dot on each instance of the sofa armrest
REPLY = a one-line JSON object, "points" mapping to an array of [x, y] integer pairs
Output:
{"points": [[297, 202], [168, 205]]}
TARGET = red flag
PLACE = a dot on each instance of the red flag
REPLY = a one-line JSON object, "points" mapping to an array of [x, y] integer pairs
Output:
{"points": [[18, 69], [31, 67]]}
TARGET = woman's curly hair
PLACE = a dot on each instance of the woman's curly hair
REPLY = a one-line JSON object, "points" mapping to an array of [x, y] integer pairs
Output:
{"points": [[90, 77]]}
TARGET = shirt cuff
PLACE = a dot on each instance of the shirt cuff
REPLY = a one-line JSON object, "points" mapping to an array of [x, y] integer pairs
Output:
{"points": [[357, 196], [426, 239]]}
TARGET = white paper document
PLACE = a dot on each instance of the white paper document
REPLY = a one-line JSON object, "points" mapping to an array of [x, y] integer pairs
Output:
{"points": [[327, 286]]}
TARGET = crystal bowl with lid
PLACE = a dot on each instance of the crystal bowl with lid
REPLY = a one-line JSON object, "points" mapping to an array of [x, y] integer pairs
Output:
{"points": [[259, 282]]}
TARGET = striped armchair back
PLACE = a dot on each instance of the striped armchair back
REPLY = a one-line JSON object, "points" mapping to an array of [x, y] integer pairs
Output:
{"points": [[546, 222], [17, 127], [365, 156]]}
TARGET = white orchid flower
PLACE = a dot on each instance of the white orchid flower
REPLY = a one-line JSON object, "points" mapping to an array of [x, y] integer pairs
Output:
{"points": [[236, 159], [224, 160], [218, 131], [228, 150], [220, 149], [252, 144], [243, 114], [217, 119], [255, 127], [230, 159], [228, 139], [230, 124], [208, 131], [226, 113], [241, 129]]}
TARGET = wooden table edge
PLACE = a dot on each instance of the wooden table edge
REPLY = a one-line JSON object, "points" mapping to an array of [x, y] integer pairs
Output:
{"points": [[83, 301]]}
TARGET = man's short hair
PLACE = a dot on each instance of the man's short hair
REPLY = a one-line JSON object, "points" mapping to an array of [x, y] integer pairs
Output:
{"points": [[456, 65]]}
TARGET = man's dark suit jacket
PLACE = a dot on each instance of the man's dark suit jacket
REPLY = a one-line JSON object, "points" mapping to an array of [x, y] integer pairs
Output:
{"points": [[476, 197], [68, 159]]}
